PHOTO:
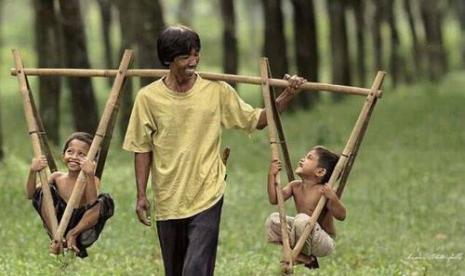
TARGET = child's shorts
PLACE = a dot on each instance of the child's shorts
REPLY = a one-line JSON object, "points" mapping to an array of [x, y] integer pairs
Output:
{"points": [[89, 236], [318, 243]]}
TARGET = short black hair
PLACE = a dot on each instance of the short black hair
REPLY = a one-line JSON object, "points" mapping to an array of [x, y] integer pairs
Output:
{"points": [[81, 136], [326, 160], [175, 41]]}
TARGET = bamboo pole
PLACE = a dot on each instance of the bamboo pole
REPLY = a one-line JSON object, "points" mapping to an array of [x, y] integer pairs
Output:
{"points": [[33, 129], [287, 264], [282, 137], [356, 131], [76, 195], [354, 153], [158, 73], [103, 153], [42, 135]]}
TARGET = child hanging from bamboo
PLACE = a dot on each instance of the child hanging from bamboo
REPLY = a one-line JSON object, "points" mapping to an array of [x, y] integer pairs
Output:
{"points": [[314, 169], [88, 219]]}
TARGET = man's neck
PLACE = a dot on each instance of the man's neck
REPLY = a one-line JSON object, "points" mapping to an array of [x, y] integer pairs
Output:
{"points": [[178, 83]]}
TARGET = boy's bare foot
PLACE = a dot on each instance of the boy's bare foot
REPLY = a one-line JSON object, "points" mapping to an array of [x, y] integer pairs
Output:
{"points": [[309, 261], [71, 242], [55, 247]]}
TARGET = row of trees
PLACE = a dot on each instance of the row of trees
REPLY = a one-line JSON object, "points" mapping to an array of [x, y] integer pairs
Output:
{"points": [[364, 36]]}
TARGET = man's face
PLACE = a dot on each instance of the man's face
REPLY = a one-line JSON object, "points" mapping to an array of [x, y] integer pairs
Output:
{"points": [[185, 65]]}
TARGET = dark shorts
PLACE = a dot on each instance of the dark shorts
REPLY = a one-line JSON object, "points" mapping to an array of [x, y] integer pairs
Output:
{"points": [[89, 236]]}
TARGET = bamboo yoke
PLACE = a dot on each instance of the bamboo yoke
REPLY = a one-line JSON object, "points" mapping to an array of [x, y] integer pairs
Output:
{"points": [[341, 171]]}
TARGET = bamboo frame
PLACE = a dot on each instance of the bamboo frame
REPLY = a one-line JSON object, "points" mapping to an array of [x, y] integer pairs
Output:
{"points": [[34, 132], [281, 135], [106, 124], [158, 73], [99, 135], [103, 153], [42, 136], [352, 144], [287, 263]]}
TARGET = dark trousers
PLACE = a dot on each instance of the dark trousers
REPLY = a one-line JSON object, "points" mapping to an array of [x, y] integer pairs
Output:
{"points": [[189, 245]]}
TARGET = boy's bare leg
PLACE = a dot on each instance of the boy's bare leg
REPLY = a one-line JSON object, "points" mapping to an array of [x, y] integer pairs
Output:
{"points": [[88, 220]]}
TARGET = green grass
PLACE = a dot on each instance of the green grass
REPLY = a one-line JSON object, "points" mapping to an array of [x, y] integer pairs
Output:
{"points": [[404, 198]]}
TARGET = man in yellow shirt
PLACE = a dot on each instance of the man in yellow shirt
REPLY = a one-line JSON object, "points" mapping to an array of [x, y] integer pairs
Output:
{"points": [[175, 132]]}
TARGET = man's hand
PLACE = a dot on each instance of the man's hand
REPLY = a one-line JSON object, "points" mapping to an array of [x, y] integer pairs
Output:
{"points": [[295, 82], [328, 192], [275, 167], [38, 164], [143, 211]]}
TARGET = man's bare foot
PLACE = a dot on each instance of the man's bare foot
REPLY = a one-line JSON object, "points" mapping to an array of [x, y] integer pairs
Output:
{"points": [[71, 242]]}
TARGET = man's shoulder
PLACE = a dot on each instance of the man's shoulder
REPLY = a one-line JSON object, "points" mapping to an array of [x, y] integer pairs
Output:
{"points": [[216, 84], [150, 89]]}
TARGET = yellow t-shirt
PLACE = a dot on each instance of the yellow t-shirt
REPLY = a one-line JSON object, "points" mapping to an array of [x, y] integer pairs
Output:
{"points": [[183, 132]]}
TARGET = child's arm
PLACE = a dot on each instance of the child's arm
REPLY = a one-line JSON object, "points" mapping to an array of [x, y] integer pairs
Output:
{"points": [[37, 164], [334, 204], [275, 167], [88, 168]]}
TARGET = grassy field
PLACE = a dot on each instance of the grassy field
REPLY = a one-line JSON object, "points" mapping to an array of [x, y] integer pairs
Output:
{"points": [[404, 198]]}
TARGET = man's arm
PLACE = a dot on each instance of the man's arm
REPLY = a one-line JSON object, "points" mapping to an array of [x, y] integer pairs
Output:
{"points": [[142, 163], [284, 98]]}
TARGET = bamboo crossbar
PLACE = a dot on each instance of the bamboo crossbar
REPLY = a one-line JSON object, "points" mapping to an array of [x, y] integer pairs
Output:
{"points": [[158, 73], [287, 251], [78, 190], [34, 130], [357, 131]]}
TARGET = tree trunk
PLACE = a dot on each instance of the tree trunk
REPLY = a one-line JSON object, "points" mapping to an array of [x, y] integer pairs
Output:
{"points": [[459, 6], [2, 154], [306, 48], [105, 15], [417, 51], [340, 60], [432, 22], [275, 41], [230, 52], [47, 40], [127, 19], [150, 23], [378, 18], [359, 9], [83, 101], [185, 12], [395, 59]]}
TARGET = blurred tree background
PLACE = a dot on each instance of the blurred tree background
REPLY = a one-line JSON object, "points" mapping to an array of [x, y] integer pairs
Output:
{"points": [[342, 42]]}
